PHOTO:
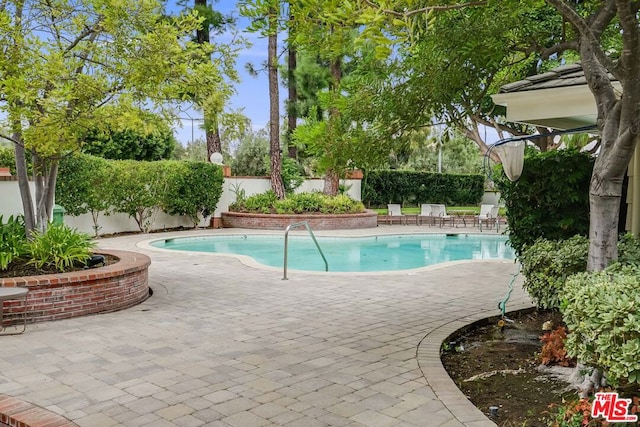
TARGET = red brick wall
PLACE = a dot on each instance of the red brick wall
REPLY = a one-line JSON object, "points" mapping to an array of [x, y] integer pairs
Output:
{"points": [[368, 219], [97, 290]]}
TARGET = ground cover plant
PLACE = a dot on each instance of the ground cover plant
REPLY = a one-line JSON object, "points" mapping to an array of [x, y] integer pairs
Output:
{"points": [[300, 203], [58, 249]]}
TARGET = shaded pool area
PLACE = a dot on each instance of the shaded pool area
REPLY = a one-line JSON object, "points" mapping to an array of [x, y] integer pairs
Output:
{"points": [[351, 254]]}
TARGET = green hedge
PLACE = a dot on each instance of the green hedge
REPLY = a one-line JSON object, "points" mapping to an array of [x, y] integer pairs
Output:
{"points": [[139, 189], [301, 203], [551, 198], [406, 187]]}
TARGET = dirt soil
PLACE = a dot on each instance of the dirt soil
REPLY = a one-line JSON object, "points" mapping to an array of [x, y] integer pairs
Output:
{"points": [[507, 364], [23, 268]]}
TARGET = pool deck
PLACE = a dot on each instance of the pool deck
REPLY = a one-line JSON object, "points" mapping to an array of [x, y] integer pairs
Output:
{"points": [[223, 343]]}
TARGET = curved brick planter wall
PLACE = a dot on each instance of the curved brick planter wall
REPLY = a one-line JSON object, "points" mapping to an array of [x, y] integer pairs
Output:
{"points": [[367, 219], [97, 290]]}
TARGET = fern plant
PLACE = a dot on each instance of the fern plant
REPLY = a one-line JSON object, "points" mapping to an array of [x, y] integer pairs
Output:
{"points": [[13, 241], [61, 247]]}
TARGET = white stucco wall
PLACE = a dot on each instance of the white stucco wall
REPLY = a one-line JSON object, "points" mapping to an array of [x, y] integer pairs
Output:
{"points": [[10, 204]]}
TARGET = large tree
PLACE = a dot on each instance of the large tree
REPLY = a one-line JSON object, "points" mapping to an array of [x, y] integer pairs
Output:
{"points": [[603, 34], [266, 16], [63, 62]]}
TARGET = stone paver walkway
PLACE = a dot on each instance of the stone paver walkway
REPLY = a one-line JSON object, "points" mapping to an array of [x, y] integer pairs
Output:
{"points": [[223, 344]]}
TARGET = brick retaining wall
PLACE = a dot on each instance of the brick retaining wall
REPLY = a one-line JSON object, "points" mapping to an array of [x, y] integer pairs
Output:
{"points": [[368, 219], [96, 290]]}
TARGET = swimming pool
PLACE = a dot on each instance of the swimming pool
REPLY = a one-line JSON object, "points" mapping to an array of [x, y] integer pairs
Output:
{"points": [[351, 254]]}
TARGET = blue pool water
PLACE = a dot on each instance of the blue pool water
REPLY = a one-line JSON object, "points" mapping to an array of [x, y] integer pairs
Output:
{"points": [[351, 254]]}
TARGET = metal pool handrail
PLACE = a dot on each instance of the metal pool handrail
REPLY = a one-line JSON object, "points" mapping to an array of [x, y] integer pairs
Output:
{"points": [[286, 245]]}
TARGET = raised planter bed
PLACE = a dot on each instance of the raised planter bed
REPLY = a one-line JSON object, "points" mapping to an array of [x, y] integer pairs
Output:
{"points": [[80, 293], [368, 219]]}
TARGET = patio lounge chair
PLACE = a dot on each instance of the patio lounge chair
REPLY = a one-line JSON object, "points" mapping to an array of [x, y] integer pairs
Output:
{"points": [[425, 212], [488, 215], [395, 211], [439, 213]]}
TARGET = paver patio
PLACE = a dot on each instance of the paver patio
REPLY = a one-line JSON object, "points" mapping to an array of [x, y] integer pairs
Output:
{"points": [[221, 343]]}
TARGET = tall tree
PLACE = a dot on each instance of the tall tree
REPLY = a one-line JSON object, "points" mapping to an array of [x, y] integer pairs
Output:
{"points": [[292, 95], [275, 152], [267, 19], [96, 54]]}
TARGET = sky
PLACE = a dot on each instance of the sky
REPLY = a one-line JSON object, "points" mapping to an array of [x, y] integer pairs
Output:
{"points": [[252, 93]]}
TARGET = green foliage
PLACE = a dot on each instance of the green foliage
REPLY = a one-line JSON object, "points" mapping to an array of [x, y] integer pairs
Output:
{"points": [[141, 189], [250, 155], [194, 191], [8, 160], [292, 174], [156, 142], [547, 264], [601, 312], [301, 203], [382, 187], [85, 184], [60, 246], [551, 198], [13, 240]]}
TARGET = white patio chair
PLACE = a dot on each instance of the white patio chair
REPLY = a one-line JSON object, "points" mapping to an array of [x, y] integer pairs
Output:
{"points": [[425, 212], [395, 211], [439, 212]]}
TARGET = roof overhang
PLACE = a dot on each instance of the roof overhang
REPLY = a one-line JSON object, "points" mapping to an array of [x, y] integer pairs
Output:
{"points": [[558, 108]]}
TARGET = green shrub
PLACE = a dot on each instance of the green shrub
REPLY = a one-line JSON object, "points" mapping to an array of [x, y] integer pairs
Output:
{"points": [[391, 186], [298, 204], [546, 265], [85, 185], [551, 198], [194, 191], [8, 160], [261, 203], [601, 310], [60, 247], [13, 240]]}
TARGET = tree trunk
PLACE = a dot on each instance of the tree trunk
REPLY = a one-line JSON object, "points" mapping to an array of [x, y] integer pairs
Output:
{"points": [[331, 183], [214, 144], [23, 185], [212, 131], [274, 106], [331, 177], [292, 98], [292, 112]]}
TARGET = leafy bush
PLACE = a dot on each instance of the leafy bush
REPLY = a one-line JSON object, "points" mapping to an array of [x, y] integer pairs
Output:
{"points": [[195, 191], [547, 264], [382, 187], [551, 198], [60, 247], [601, 312], [553, 349], [13, 240], [141, 189], [298, 204], [85, 184], [8, 160]]}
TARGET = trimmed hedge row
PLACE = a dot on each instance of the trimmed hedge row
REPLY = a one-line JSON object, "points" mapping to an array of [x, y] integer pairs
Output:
{"points": [[407, 187], [551, 198], [88, 184]]}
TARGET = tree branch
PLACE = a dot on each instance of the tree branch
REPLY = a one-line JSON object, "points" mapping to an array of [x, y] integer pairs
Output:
{"points": [[410, 13], [587, 34]]}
